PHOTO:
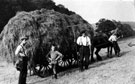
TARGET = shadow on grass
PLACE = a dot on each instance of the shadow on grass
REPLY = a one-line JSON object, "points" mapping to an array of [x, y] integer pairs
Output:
{"points": [[123, 53], [113, 55], [39, 81], [108, 60]]}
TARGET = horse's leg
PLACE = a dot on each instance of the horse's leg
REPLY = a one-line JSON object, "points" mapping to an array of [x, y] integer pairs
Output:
{"points": [[111, 50], [108, 51], [98, 56], [92, 51]]}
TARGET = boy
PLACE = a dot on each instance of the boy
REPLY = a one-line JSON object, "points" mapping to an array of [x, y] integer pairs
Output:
{"points": [[54, 57]]}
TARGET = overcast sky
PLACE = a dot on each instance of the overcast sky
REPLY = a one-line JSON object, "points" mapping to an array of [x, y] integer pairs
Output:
{"points": [[93, 10]]}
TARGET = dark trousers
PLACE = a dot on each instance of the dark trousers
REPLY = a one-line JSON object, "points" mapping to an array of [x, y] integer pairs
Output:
{"points": [[84, 53], [23, 71], [116, 47]]}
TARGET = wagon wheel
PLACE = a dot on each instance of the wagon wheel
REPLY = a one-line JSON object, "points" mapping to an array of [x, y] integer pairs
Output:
{"points": [[74, 61], [75, 58], [43, 70], [64, 62]]}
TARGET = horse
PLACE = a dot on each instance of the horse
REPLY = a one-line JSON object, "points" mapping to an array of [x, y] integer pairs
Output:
{"points": [[100, 41]]}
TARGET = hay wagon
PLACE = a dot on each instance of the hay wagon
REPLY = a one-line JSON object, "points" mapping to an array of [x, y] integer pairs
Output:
{"points": [[43, 27]]}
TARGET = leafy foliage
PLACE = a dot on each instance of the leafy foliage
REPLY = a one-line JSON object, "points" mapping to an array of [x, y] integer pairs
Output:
{"points": [[9, 8], [127, 30], [106, 26]]}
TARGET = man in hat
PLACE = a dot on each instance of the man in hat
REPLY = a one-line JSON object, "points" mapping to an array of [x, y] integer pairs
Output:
{"points": [[21, 53], [84, 50]]}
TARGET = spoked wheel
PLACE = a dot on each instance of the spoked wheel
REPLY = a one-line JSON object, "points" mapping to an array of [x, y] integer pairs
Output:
{"points": [[63, 63], [42, 70], [74, 61]]}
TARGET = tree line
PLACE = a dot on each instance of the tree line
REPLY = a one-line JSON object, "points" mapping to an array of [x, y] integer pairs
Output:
{"points": [[8, 8], [106, 25]]}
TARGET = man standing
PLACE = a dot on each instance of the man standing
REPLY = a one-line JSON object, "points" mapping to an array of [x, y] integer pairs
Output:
{"points": [[113, 38], [84, 44], [21, 53]]}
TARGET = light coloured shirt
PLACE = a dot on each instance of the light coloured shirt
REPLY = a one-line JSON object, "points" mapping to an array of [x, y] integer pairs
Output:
{"points": [[85, 41], [20, 51], [113, 38]]}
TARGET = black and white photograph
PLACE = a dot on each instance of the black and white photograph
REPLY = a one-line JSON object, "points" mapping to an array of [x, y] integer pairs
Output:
{"points": [[67, 41]]}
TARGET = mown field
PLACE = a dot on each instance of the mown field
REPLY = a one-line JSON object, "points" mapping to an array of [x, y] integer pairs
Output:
{"points": [[115, 70]]}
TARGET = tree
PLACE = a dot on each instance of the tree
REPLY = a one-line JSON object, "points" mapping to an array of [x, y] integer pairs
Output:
{"points": [[105, 25], [61, 8], [8, 8], [126, 30], [6, 12]]}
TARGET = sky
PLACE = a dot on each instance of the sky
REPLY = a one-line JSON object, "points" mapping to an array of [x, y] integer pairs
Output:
{"points": [[93, 10]]}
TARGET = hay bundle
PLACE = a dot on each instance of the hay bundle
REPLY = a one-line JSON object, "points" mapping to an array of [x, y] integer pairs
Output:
{"points": [[43, 28]]}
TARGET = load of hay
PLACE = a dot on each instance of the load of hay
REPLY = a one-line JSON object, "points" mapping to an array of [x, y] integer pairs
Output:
{"points": [[43, 27]]}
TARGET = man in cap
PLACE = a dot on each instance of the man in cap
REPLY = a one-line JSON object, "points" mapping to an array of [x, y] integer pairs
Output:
{"points": [[21, 53], [84, 50]]}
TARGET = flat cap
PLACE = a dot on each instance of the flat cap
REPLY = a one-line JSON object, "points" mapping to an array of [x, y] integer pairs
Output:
{"points": [[24, 38]]}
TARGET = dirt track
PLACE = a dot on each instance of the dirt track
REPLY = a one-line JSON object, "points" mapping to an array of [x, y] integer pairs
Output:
{"points": [[115, 70]]}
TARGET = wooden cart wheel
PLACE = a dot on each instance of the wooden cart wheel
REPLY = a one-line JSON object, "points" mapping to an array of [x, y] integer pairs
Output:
{"points": [[74, 61], [63, 63], [42, 70]]}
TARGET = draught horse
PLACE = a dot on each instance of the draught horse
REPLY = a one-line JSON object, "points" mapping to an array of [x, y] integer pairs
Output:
{"points": [[101, 41]]}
